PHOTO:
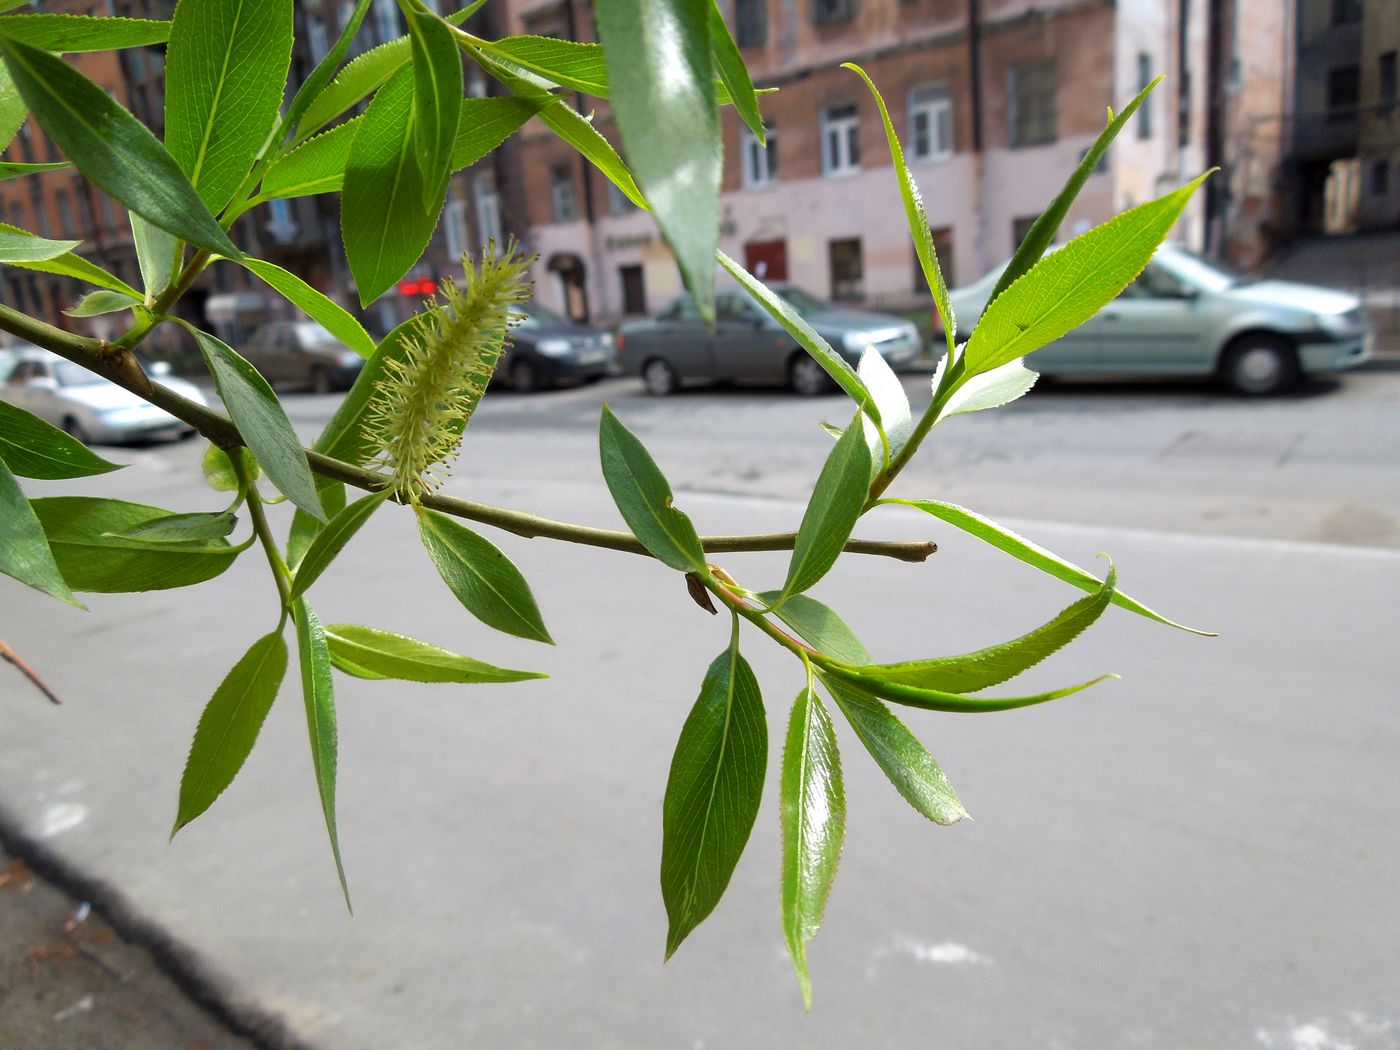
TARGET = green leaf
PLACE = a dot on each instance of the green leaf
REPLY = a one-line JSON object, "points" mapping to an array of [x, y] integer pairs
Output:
{"points": [[835, 507], [368, 653], [387, 215], [712, 794], [230, 725], [1018, 547], [334, 317], [814, 826], [111, 147], [225, 70], [909, 767], [893, 403], [72, 33], [661, 74], [14, 171], [486, 123], [325, 69], [70, 265], [13, 111], [218, 468], [184, 528], [100, 302], [818, 625], [318, 693], [155, 254], [806, 336], [25, 247], [1067, 287], [1042, 232], [437, 96], [316, 166], [361, 76], [25, 553], [571, 64], [996, 664], [86, 536], [484, 580], [261, 420], [942, 700], [331, 540], [729, 63], [33, 448], [643, 497], [915, 215], [1000, 386]]}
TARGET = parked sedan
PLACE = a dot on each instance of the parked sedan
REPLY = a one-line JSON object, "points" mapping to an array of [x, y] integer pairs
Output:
{"points": [[92, 409], [302, 354], [747, 345], [1187, 316], [546, 349]]}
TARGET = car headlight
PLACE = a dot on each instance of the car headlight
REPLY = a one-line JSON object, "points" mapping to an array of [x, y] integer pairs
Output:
{"points": [[855, 341], [348, 359], [554, 347], [607, 340], [1335, 324]]}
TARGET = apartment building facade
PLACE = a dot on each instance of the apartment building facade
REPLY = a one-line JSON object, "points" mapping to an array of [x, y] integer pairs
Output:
{"points": [[995, 101]]}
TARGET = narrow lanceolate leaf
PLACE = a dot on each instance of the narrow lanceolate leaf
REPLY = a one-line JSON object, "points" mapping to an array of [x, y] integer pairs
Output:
{"points": [[942, 700], [386, 213], [996, 664], [1067, 287], [713, 792], [262, 421], [26, 247], [360, 77], [915, 215], [184, 528], [842, 373], [437, 96], [1000, 386], [729, 64], [835, 507], [1032, 554], [316, 166], [888, 394], [230, 725], [909, 767], [87, 537], [155, 254], [110, 146], [568, 63], [1042, 232], [33, 448], [331, 540], [661, 77], [318, 693], [12, 111], [25, 553], [70, 265], [100, 302], [334, 317], [814, 826], [225, 69], [485, 581], [325, 69], [15, 171], [819, 626], [486, 123], [72, 33], [643, 496], [368, 653]]}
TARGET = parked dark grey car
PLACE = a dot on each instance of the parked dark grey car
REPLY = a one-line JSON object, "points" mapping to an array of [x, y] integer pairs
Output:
{"points": [[302, 354], [546, 349], [747, 345]]}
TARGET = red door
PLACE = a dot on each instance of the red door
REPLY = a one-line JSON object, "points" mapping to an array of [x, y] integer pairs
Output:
{"points": [[767, 260]]}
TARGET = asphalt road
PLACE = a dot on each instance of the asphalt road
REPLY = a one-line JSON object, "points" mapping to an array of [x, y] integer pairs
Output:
{"points": [[1200, 855]]}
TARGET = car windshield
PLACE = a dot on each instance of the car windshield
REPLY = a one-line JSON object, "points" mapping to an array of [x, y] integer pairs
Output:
{"points": [[1205, 274], [309, 333], [533, 315], [804, 303], [69, 374]]}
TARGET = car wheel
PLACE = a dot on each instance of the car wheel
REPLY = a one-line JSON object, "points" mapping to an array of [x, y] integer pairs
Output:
{"points": [[319, 380], [1260, 364], [74, 429], [523, 377], [660, 378], [806, 377]]}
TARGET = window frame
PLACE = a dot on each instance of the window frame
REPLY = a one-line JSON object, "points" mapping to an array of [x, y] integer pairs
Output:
{"points": [[846, 128], [750, 150], [1048, 104], [937, 101]]}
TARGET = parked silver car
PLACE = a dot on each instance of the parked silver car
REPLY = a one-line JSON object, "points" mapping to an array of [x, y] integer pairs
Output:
{"points": [[747, 345], [92, 409], [1187, 316]]}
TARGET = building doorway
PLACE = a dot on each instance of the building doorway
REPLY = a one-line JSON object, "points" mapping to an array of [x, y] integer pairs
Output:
{"points": [[570, 270], [634, 292], [767, 260]]}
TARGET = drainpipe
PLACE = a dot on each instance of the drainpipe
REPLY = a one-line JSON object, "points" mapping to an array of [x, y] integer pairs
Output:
{"points": [[974, 57], [589, 217]]}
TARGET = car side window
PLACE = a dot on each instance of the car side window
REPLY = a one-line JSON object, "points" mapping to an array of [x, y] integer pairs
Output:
{"points": [[683, 310], [733, 308], [1155, 283], [20, 373]]}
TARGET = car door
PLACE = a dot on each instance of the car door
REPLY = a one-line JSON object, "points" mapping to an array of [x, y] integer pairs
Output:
{"points": [[1157, 326], [1077, 351], [17, 389], [681, 339], [743, 347]]}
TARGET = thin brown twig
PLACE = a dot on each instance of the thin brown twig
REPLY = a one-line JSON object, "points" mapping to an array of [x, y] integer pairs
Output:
{"points": [[12, 657]]}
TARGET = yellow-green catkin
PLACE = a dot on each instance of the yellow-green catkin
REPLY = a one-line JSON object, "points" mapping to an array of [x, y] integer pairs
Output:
{"points": [[421, 405]]}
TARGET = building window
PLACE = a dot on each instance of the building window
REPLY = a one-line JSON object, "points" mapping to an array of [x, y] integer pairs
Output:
{"points": [[825, 12], [317, 39], [1144, 113], [1343, 92], [943, 248], [1034, 114], [546, 22], [847, 271], [1387, 79], [1344, 11], [840, 140], [930, 123], [563, 193], [386, 20], [488, 210], [63, 204], [751, 23], [634, 293], [618, 202], [454, 226], [1019, 228], [760, 161], [1380, 178]]}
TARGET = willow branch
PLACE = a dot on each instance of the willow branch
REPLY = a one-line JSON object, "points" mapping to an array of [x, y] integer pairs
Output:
{"points": [[221, 430]]}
